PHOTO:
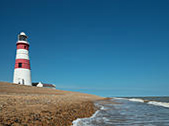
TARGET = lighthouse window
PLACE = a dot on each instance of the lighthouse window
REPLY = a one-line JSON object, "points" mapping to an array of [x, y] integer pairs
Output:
{"points": [[22, 38], [24, 47], [20, 65]]}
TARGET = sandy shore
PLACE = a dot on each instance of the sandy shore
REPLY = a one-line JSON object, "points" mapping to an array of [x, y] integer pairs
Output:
{"points": [[33, 106]]}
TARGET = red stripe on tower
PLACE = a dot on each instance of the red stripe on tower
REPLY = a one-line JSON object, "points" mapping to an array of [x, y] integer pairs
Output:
{"points": [[22, 63], [21, 45]]}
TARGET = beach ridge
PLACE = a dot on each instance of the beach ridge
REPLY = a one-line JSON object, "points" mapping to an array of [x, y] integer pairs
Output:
{"points": [[32, 106]]}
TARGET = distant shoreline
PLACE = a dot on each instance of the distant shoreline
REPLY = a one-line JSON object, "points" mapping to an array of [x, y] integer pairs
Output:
{"points": [[32, 106]]}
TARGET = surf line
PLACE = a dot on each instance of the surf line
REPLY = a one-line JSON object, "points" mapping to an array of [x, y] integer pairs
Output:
{"points": [[77, 121]]}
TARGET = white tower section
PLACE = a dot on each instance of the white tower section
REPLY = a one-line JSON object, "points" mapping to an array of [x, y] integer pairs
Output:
{"points": [[22, 72]]}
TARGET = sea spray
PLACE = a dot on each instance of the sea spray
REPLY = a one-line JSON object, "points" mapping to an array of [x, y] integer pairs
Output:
{"points": [[78, 122]]}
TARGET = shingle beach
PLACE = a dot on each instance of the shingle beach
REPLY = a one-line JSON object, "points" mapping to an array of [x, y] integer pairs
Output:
{"points": [[32, 106]]}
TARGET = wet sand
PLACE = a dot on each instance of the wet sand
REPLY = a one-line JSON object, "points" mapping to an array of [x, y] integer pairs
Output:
{"points": [[32, 106]]}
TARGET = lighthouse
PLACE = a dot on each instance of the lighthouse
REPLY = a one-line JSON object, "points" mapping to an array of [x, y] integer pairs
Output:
{"points": [[22, 72]]}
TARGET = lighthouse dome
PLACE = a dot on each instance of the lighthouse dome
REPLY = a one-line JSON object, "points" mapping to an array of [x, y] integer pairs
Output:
{"points": [[22, 33]]}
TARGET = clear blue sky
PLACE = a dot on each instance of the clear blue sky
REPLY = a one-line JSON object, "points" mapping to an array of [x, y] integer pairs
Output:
{"points": [[102, 47]]}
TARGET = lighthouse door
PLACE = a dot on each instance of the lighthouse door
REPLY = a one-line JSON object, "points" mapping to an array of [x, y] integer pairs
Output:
{"points": [[20, 81], [23, 81]]}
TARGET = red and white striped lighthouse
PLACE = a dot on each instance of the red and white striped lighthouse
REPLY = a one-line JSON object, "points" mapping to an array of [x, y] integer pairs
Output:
{"points": [[22, 72]]}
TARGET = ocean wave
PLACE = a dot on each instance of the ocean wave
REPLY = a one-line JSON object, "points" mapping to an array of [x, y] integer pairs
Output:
{"points": [[119, 98], [136, 100], [110, 115], [163, 104], [77, 122]]}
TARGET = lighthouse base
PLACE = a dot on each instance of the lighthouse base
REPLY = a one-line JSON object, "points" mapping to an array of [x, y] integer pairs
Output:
{"points": [[22, 76]]}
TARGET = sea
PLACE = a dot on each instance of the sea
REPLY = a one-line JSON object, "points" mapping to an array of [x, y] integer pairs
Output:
{"points": [[129, 111]]}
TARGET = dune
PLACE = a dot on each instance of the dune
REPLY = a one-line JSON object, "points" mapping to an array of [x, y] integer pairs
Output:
{"points": [[35, 106]]}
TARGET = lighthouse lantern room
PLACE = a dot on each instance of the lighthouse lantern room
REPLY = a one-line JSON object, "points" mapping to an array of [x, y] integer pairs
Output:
{"points": [[22, 72]]}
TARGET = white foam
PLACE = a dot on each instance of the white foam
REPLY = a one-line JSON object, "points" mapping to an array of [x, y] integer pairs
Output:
{"points": [[77, 122], [136, 100], [164, 104], [102, 108], [119, 98]]}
